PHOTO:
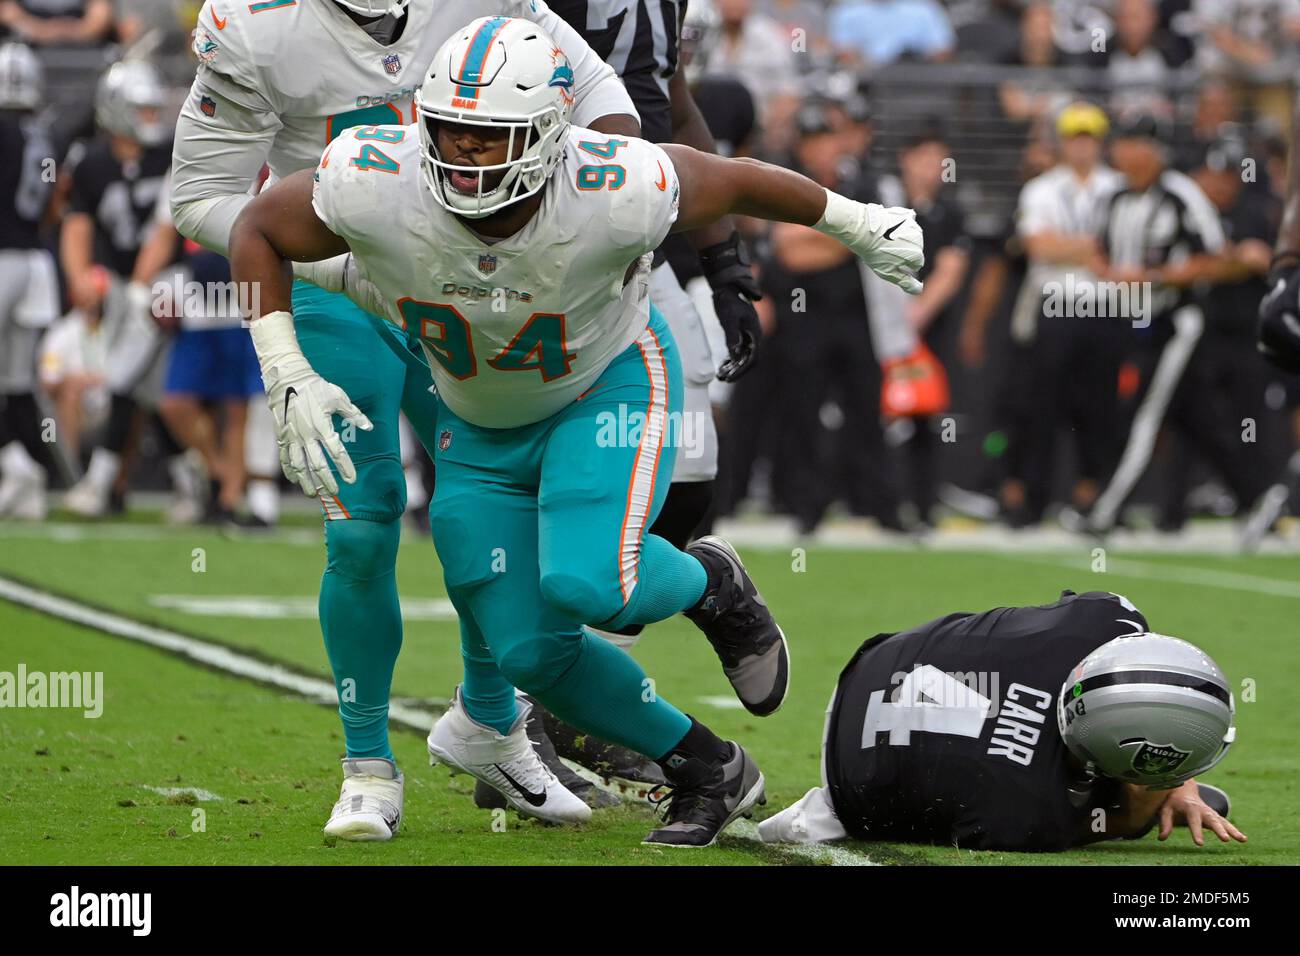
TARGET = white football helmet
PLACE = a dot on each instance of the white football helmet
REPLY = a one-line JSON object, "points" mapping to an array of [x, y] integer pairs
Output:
{"points": [[126, 89], [374, 8], [505, 73], [22, 79]]}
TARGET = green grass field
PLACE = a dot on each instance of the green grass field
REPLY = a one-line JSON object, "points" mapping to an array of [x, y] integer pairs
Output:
{"points": [[77, 790]]}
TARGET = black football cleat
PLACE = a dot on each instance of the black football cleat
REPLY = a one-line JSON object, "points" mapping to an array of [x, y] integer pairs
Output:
{"points": [[617, 765], [487, 797], [703, 799], [1214, 798], [735, 619]]}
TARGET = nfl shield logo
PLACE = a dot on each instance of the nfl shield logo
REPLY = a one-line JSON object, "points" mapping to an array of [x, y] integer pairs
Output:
{"points": [[393, 64], [487, 263], [444, 439]]}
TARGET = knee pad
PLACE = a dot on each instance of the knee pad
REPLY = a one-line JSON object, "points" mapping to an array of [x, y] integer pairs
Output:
{"points": [[534, 665], [579, 598], [362, 549]]}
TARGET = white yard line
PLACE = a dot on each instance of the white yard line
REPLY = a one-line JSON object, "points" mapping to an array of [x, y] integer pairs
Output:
{"points": [[825, 854], [200, 651], [1181, 574]]}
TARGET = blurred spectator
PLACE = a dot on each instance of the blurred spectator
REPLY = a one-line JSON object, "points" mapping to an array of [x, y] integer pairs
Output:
{"points": [[1137, 64], [1038, 95], [922, 164], [1252, 43], [802, 20], [830, 378], [55, 22], [875, 33], [1227, 371], [211, 374], [1075, 359], [29, 294], [986, 344], [985, 29], [1214, 113], [72, 375], [755, 50]]}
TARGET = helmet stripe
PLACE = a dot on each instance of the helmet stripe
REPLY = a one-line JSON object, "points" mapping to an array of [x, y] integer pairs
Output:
{"points": [[471, 68], [1154, 677]]}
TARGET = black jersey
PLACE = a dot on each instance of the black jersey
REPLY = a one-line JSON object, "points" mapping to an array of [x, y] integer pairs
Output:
{"points": [[120, 198], [946, 733], [26, 180]]}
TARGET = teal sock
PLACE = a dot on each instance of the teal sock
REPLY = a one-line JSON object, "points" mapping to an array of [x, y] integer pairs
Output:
{"points": [[362, 623], [487, 696], [606, 693], [668, 581]]}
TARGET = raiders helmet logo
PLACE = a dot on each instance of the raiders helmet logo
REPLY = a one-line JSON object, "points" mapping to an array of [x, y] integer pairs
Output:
{"points": [[1152, 760]]}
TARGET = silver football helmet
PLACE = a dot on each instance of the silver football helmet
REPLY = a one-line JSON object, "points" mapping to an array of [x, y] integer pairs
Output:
{"points": [[129, 102], [700, 30], [22, 78], [1147, 709]]}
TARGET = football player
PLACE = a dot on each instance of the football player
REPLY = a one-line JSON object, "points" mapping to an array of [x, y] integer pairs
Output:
{"points": [[278, 80], [641, 40], [116, 181], [1021, 728], [560, 386], [29, 292]]}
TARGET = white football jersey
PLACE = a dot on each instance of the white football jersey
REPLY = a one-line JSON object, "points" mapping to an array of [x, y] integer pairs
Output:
{"points": [[516, 328], [279, 79]]}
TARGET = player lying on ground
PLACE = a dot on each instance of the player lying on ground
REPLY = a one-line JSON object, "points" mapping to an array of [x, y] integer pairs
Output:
{"points": [[277, 81], [961, 732], [543, 498]]}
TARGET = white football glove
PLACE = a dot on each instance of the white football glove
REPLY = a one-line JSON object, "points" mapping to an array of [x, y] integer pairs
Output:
{"points": [[302, 403], [342, 274], [888, 240]]}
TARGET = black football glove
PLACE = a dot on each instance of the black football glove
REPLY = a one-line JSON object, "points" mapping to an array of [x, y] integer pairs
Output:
{"points": [[1279, 319], [735, 290]]}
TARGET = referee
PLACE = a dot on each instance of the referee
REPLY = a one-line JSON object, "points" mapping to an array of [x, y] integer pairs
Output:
{"points": [[1163, 232]]}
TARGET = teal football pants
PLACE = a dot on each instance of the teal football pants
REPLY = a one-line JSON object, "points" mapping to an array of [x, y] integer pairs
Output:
{"points": [[542, 529], [359, 612]]}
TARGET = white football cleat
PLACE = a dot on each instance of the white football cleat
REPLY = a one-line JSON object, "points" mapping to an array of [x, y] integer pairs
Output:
{"points": [[87, 499], [22, 495], [508, 764], [370, 804]]}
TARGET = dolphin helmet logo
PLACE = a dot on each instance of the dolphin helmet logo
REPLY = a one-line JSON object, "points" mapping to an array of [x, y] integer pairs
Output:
{"points": [[562, 76]]}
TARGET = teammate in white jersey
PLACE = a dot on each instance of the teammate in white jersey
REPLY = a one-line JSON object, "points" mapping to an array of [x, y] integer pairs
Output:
{"points": [[514, 247], [278, 80]]}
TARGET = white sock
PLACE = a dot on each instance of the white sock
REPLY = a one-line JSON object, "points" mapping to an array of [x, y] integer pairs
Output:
{"points": [[103, 468], [264, 499]]}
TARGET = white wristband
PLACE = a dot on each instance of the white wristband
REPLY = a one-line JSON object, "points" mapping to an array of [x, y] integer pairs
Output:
{"points": [[849, 221], [274, 337]]}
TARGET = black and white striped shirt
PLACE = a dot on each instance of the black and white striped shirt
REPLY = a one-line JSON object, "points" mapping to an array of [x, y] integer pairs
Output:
{"points": [[1164, 224], [639, 39]]}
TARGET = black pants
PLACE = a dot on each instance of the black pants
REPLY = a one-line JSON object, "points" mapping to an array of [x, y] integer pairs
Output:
{"points": [[819, 465], [1074, 377]]}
